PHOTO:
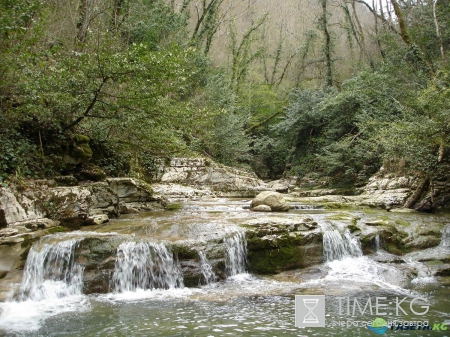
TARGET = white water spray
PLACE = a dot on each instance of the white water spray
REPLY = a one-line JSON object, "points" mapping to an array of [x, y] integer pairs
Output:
{"points": [[377, 243], [445, 240], [51, 272], [338, 247], [145, 265], [207, 272], [236, 249]]}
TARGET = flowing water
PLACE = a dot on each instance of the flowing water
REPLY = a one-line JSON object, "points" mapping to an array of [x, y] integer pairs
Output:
{"points": [[207, 271], [236, 254], [145, 265], [148, 298]]}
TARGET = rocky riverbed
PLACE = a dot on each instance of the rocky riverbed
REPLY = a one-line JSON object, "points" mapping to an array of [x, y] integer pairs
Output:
{"points": [[187, 212]]}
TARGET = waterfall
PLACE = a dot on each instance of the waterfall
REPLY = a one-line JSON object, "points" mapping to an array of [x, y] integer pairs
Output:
{"points": [[377, 243], [445, 241], [51, 272], [236, 249], [337, 246], [206, 269], [145, 265]]}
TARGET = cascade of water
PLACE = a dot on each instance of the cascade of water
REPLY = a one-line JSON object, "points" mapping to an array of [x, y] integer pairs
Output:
{"points": [[236, 248], [445, 241], [207, 271], [51, 272], [145, 265], [337, 247], [377, 243]]}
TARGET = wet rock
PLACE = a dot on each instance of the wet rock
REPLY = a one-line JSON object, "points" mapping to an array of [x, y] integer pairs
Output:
{"points": [[274, 200], [275, 244], [400, 237], [99, 219], [442, 270], [97, 255], [262, 208]]}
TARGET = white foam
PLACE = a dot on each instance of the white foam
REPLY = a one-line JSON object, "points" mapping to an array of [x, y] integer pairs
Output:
{"points": [[142, 294], [30, 315]]}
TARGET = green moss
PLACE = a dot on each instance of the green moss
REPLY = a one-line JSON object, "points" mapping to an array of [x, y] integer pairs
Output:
{"points": [[434, 262], [271, 261], [184, 251], [57, 230], [336, 205], [174, 207], [402, 223], [81, 139], [353, 228]]}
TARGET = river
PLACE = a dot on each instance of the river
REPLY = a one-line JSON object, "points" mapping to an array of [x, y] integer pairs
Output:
{"points": [[148, 297]]}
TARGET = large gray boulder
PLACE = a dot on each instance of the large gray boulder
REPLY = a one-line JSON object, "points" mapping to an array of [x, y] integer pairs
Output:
{"points": [[272, 199]]}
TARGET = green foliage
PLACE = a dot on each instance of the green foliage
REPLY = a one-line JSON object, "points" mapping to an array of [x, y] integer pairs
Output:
{"points": [[140, 91], [154, 24], [420, 136]]}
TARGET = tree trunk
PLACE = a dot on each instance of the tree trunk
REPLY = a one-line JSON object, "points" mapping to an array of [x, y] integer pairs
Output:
{"points": [[401, 23], [438, 31], [417, 193], [82, 22], [327, 46]]}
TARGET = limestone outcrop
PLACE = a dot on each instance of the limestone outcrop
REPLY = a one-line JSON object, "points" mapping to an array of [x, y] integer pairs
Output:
{"points": [[42, 207], [223, 181]]}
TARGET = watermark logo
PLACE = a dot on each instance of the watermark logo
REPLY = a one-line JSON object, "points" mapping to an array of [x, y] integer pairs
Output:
{"points": [[379, 326], [310, 311]]}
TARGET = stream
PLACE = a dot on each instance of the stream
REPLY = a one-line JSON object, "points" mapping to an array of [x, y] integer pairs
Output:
{"points": [[148, 296]]}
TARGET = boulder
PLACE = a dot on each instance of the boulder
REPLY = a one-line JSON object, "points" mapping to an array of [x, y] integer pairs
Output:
{"points": [[275, 244], [272, 199], [262, 208]]}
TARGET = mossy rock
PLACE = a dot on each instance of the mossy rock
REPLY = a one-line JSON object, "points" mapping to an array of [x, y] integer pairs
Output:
{"points": [[174, 207], [272, 261], [275, 260], [393, 240], [368, 244], [353, 228], [184, 252], [89, 171], [66, 180], [76, 150], [58, 229]]}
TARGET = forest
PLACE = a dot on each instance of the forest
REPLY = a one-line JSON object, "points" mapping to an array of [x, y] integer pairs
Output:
{"points": [[330, 90]]}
